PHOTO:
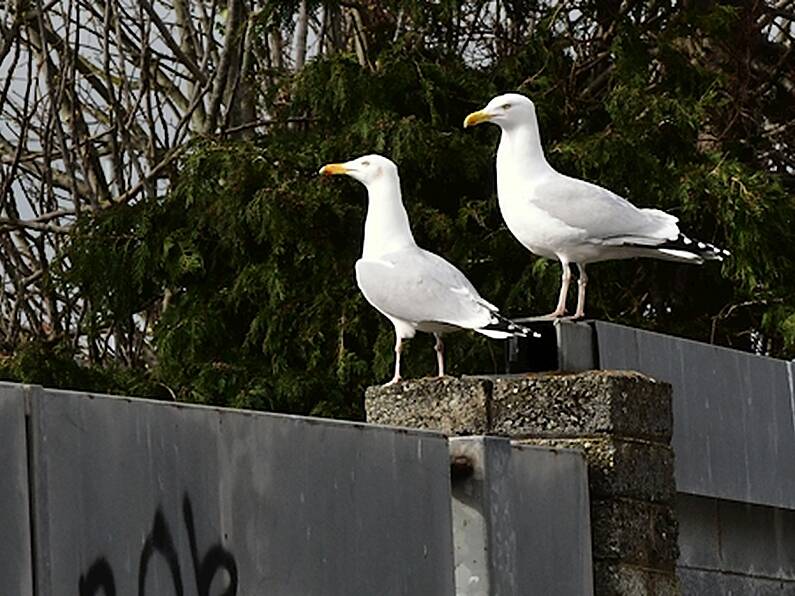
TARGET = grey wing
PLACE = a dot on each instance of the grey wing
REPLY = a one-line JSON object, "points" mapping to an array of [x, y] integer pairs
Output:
{"points": [[418, 286], [605, 217]]}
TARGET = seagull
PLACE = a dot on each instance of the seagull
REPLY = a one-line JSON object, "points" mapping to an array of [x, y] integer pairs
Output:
{"points": [[415, 289], [574, 221]]}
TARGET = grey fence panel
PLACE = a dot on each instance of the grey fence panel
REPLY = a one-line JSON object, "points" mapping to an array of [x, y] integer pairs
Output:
{"points": [[521, 520], [734, 417], [575, 346], [15, 553], [550, 488], [151, 498], [696, 582], [721, 541]]}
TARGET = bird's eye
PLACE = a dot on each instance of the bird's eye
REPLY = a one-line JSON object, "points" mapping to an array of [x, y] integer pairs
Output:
{"points": [[365, 163], [505, 106]]}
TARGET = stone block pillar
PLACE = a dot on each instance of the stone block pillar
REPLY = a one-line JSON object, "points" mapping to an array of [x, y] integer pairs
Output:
{"points": [[620, 421]]}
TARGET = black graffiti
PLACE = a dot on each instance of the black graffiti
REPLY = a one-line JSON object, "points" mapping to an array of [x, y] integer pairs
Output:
{"points": [[99, 575], [217, 558], [160, 543]]}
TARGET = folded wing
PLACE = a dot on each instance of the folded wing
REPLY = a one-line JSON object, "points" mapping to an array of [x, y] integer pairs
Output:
{"points": [[603, 216], [418, 286]]}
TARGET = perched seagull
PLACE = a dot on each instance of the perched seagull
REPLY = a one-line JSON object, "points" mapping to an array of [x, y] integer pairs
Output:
{"points": [[415, 289], [568, 219]]}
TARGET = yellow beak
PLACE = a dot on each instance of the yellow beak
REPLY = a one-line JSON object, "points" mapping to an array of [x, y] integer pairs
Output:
{"points": [[476, 118], [333, 168]]}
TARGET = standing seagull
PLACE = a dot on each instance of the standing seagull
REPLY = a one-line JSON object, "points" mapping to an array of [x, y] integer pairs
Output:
{"points": [[415, 289], [568, 219]]}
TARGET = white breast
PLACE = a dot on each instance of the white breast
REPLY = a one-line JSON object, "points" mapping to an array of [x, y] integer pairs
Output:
{"points": [[538, 231]]}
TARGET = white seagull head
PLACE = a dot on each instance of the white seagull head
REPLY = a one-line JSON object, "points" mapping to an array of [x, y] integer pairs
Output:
{"points": [[506, 111], [366, 169]]}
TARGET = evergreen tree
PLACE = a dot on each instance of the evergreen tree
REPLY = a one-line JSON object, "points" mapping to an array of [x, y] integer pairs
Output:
{"points": [[244, 269]]}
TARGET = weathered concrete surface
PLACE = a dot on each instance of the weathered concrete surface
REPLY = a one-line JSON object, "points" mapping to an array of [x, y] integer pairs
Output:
{"points": [[635, 532], [537, 404], [619, 403], [616, 579], [520, 517], [621, 422], [449, 405], [143, 497], [15, 553]]}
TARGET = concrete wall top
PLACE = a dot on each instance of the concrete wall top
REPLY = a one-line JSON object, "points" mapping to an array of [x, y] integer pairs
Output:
{"points": [[148, 497], [734, 413]]}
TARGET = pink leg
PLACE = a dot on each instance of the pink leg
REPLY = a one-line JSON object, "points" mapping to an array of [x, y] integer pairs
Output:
{"points": [[581, 283], [439, 347], [565, 279], [398, 349]]}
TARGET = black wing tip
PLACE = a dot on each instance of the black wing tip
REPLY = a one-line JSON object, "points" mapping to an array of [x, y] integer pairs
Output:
{"points": [[705, 250], [500, 323]]}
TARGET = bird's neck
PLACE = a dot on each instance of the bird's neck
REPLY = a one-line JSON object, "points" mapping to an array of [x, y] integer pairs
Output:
{"points": [[520, 155], [386, 228]]}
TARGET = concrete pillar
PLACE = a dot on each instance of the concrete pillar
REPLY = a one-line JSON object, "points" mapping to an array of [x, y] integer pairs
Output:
{"points": [[620, 421]]}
